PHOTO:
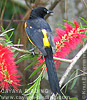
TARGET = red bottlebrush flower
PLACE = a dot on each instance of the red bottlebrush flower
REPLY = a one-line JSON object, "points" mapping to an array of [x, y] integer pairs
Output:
{"points": [[8, 70], [67, 40]]}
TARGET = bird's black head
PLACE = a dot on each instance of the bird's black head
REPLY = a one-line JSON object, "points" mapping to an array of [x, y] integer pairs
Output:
{"points": [[39, 12]]}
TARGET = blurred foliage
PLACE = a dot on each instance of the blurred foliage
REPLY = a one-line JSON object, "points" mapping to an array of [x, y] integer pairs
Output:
{"points": [[11, 15], [12, 11]]}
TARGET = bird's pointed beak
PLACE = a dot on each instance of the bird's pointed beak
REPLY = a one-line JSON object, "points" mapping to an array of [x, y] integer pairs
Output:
{"points": [[49, 11]]}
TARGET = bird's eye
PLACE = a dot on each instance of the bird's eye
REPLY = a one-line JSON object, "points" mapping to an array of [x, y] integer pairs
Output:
{"points": [[45, 10]]}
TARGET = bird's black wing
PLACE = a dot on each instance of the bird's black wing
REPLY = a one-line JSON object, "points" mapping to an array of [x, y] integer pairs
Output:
{"points": [[33, 30], [51, 39]]}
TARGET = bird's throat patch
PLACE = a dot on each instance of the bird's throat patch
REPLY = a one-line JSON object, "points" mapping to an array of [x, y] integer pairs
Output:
{"points": [[45, 39]]}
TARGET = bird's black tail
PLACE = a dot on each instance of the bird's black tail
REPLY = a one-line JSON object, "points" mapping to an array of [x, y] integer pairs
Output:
{"points": [[52, 75]]}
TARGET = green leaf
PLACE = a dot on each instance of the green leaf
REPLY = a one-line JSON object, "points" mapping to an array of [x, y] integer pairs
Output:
{"points": [[22, 58], [61, 25], [80, 26], [15, 55], [33, 57], [75, 80], [69, 22], [37, 70], [2, 29], [32, 93], [9, 43], [33, 63], [84, 25], [74, 98], [19, 41], [30, 88], [23, 55], [38, 89], [4, 32], [26, 56], [83, 20], [34, 90], [6, 36], [86, 34], [7, 39], [11, 35]]}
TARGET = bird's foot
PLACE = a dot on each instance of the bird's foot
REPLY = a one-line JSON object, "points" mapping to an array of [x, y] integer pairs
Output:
{"points": [[32, 50]]}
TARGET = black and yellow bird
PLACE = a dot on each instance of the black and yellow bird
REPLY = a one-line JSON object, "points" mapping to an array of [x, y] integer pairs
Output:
{"points": [[40, 35]]}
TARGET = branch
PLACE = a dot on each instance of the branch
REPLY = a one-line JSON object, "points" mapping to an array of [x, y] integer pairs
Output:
{"points": [[25, 51], [2, 14], [30, 51], [74, 78], [21, 50], [52, 6], [28, 4], [10, 22], [74, 60], [13, 20], [62, 59], [21, 3]]}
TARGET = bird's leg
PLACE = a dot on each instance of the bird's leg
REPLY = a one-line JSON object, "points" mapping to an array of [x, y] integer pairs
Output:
{"points": [[32, 50], [42, 57]]}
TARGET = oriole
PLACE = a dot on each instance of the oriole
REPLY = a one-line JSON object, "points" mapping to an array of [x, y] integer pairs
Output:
{"points": [[40, 35]]}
